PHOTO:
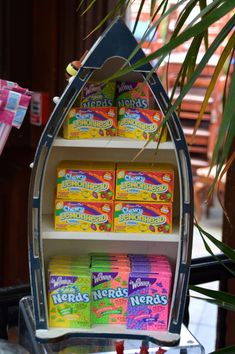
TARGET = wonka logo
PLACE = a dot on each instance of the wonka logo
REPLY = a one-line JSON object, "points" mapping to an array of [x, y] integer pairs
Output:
{"points": [[139, 283], [98, 278], [60, 281]]}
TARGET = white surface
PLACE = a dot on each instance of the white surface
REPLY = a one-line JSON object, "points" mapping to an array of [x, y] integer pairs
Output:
{"points": [[107, 330], [114, 143]]}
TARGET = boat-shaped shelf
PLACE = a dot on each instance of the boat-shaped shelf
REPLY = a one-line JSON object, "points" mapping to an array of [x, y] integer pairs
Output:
{"points": [[109, 53]]}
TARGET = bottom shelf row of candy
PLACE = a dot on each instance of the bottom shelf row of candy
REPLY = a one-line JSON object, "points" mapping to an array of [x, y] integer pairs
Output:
{"points": [[133, 290]]}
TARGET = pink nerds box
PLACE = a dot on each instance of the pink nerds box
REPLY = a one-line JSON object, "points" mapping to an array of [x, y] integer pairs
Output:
{"points": [[109, 295], [148, 300]]}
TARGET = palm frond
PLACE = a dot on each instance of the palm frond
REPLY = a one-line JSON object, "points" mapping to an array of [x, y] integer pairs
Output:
{"points": [[219, 298], [222, 60]]}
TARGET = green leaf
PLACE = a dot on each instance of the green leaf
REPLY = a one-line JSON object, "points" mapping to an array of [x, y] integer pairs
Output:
{"points": [[203, 6], [88, 7], [227, 28], [227, 129], [183, 17], [227, 50], [80, 4], [229, 111], [191, 32], [222, 298], [138, 16], [209, 250], [229, 69], [111, 14], [152, 7], [228, 350], [219, 303], [148, 33], [228, 251]]}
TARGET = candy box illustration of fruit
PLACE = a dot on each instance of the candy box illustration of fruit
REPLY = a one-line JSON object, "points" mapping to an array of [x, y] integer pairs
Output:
{"points": [[142, 182], [82, 181], [148, 300], [139, 123], [69, 299], [142, 217], [89, 123], [83, 216], [109, 296]]}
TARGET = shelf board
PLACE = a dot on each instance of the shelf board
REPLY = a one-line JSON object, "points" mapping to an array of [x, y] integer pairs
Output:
{"points": [[49, 233], [112, 143], [110, 331]]}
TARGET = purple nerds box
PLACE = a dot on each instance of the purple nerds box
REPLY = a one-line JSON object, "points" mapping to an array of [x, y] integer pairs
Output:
{"points": [[148, 300]]}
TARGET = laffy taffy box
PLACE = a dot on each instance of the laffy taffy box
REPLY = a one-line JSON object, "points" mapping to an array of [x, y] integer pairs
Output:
{"points": [[141, 124], [89, 123], [85, 181], [83, 216], [144, 182], [69, 299], [148, 300], [132, 94], [109, 295], [142, 217], [95, 94]]}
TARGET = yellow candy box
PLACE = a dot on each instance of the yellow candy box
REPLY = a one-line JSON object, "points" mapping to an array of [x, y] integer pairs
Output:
{"points": [[140, 217], [83, 216], [144, 182], [141, 124], [69, 299], [89, 123], [85, 181]]}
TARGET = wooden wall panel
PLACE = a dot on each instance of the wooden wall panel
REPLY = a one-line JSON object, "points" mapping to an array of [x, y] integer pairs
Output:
{"points": [[38, 38]]}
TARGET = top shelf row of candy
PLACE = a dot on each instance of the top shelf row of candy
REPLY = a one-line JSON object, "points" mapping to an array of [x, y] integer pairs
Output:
{"points": [[114, 109]]}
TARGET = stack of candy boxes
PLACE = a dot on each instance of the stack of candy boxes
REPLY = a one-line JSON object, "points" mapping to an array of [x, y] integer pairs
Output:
{"points": [[143, 198], [85, 193], [102, 197], [132, 290], [115, 108]]}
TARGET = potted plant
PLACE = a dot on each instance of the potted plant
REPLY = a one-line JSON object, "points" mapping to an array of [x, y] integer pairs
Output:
{"points": [[192, 27]]}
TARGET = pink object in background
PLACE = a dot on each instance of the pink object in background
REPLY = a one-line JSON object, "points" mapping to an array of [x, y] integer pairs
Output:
{"points": [[5, 130], [14, 102]]}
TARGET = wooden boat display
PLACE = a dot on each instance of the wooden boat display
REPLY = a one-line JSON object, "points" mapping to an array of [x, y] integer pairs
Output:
{"points": [[109, 53]]}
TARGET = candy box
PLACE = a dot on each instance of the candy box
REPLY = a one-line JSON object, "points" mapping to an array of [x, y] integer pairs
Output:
{"points": [[96, 94], [149, 268], [148, 301], [144, 182], [108, 255], [85, 181], [111, 266], [121, 261], [141, 124], [109, 296], [78, 259], [145, 257], [132, 94], [68, 265], [142, 217], [69, 299], [89, 123], [83, 216]]}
